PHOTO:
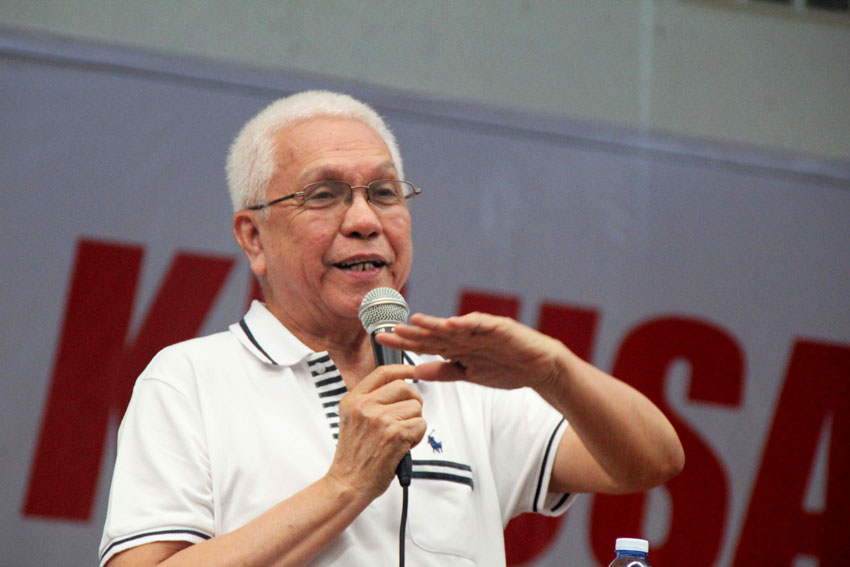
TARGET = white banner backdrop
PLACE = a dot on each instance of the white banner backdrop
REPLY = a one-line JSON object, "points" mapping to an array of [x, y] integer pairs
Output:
{"points": [[714, 279]]}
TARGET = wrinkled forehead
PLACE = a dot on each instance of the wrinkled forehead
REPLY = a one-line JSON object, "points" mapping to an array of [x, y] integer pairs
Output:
{"points": [[329, 146]]}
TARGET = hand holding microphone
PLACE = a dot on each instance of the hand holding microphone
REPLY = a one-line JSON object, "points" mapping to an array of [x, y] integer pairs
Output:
{"points": [[380, 311], [380, 417]]}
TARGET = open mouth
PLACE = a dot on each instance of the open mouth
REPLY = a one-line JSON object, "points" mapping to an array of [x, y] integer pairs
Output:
{"points": [[361, 265]]}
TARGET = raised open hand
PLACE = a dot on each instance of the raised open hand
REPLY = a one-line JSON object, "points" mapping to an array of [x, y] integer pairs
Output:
{"points": [[480, 348]]}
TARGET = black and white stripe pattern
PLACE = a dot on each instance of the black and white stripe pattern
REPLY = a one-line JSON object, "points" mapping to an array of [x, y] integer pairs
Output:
{"points": [[245, 329], [539, 497], [443, 470], [179, 534], [330, 387]]}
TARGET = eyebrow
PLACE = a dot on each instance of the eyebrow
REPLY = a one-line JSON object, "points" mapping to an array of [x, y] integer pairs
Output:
{"points": [[330, 172]]}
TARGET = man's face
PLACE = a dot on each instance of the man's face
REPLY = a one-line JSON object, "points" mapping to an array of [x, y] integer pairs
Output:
{"points": [[320, 263]]}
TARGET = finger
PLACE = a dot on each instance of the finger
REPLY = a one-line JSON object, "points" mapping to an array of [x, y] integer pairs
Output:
{"points": [[474, 323], [471, 325], [412, 332], [451, 346], [418, 426], [451, 326], [396, 391], [441, 371], [408, 434], [406, 410], [426, 345], [426, 321], [399, 435], [431, 330], [383, 375]]}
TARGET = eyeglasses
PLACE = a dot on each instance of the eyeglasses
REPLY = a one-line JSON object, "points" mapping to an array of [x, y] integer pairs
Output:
{"points": [[330, 194]]}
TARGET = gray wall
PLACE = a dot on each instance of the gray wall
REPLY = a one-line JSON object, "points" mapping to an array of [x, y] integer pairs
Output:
{"points": [[714, 69]]}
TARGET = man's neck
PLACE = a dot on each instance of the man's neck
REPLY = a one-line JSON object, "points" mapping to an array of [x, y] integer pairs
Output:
{"points": [[347, 344]]}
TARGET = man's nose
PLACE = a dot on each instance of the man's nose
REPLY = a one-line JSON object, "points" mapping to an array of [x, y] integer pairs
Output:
{"points": [[360, 220]]}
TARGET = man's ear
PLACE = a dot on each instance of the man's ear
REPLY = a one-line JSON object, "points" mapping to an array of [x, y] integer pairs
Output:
{"points": [[246, 230]]}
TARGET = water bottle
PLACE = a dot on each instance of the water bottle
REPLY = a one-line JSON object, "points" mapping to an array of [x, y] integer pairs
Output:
{"points": [[631, 553]]}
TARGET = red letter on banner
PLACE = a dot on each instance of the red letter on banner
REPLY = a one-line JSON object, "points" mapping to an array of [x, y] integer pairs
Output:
{"points": [[95, 370], [700, 494], [502, 305], [777, 527]]}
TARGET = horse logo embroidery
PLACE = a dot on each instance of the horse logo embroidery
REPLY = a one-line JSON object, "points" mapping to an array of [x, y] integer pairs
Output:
{"points": [[437, 446]]}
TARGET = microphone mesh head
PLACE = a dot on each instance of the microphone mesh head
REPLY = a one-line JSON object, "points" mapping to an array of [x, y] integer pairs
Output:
{"points": [[382, 307]]}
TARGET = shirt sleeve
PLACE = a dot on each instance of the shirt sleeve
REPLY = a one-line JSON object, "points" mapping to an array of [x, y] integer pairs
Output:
{"points": [[161, 486], [525, 435]]}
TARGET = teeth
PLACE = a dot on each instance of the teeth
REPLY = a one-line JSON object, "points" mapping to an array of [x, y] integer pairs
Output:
{"points": [[360, 266]]}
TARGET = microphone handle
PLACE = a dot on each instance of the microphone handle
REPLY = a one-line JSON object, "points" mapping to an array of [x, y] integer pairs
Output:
{"points": [[385, 355], [404, 470]]}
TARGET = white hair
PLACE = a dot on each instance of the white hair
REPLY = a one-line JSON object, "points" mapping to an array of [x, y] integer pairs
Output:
{"points": [[251, 162]]}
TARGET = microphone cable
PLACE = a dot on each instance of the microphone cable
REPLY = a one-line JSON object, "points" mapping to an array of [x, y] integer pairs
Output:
{"points": [[404, 472]]}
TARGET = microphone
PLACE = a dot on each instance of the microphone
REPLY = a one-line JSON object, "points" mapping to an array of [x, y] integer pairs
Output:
{"points": [[380, 311]]}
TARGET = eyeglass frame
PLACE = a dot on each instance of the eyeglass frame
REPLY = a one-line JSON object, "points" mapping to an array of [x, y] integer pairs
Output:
{"points": [[261, 206]]}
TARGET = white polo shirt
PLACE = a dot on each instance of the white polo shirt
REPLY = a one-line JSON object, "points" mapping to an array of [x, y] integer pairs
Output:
{"points": [[220, 429]]}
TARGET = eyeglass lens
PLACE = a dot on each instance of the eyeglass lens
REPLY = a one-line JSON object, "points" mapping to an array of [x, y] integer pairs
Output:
{"points": [[383, 192]]}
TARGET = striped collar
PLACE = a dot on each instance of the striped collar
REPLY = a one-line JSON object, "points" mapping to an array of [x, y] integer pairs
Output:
{"points": [[269, 340], [266, 338]]}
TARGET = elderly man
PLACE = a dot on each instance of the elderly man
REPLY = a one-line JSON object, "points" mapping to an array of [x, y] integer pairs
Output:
{"points": [[276, 443]]}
